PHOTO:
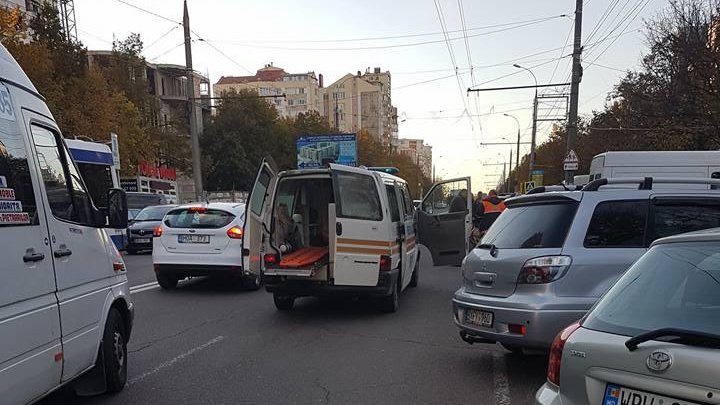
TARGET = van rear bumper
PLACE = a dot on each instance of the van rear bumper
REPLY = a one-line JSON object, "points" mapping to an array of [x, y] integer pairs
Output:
{"points": [[193, 270], [307, 288]]}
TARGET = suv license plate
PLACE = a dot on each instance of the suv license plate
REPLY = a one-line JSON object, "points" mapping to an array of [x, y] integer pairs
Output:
{"points": [[193, 238], [617, 395], [479, 318]]}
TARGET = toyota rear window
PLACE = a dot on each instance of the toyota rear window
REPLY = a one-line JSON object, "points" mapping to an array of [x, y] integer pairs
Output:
{"points": [[532, 226], [672, 286], [198, 218]]}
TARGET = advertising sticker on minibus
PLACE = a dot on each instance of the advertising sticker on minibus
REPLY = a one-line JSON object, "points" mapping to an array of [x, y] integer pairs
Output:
{"points": [[6, 109], [15, 218], [7, 194], [10, 206]]}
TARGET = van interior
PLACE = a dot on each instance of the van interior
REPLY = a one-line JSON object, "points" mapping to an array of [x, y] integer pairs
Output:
{"points": [[300, 222]]}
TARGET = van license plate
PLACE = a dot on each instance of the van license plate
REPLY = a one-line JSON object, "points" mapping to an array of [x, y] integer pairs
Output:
{"points": [[142, 240], [479, 318], [193, 238], [617, 395]]}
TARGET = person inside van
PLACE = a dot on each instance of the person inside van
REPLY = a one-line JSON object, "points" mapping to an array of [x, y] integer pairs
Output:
{"points": [[284, 229]]}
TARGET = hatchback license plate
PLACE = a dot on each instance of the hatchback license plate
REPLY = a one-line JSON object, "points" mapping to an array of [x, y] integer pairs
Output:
{"points": [[142, 240], [617, 395], [479, 318], [193, 238]]}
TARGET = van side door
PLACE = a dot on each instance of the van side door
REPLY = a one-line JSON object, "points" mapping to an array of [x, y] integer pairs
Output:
{"points": [[408, 248], [257, 212], [360, 230], [445, 221], [83, 269], [31, 351]]}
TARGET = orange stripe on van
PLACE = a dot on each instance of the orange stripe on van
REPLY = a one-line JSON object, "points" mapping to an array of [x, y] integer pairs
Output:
{"points": [[363, 242], [347, 249]]}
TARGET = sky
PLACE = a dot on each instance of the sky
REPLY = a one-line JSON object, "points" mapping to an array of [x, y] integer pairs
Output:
{"points": [[429, 74]]}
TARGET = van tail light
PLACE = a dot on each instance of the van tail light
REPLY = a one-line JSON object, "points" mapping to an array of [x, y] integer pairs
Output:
{"points": [[157, 232], [235, 232], [556, 351], [271, 259], [385, 263], [542, 270]]}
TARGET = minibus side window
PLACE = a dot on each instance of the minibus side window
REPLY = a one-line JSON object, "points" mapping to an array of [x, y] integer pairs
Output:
{"points": [[394, 206], [359, 197], [65, 190], [17, 196]]}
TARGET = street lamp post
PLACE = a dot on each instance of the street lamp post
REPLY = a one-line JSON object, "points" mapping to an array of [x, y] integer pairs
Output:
{"points": [[531, 166], [517, 152]]}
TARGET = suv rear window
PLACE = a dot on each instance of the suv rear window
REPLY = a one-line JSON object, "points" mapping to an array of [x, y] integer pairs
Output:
{"points": [[198, 218], [532, 226], [672, 286]]}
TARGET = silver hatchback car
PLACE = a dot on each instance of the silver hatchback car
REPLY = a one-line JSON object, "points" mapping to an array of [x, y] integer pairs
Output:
{"points": [[550, 256], [653, 339]]}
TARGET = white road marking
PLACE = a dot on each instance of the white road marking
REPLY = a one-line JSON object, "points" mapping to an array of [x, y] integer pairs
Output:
{"points": [[147, 288], [175, 359], [500, 380], [139, 286]]}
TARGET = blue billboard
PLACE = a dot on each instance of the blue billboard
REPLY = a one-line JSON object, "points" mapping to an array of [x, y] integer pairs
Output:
{"points": [[315, 151]]}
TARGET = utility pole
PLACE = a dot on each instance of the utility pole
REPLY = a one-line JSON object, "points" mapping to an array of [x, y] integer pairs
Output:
{"points": [[194, 137], [509, 182], [531, 165], [574, 88]]}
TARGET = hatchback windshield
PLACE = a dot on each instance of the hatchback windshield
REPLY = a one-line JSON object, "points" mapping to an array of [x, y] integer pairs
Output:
{"points": [[672, 286], [532, 226], [152, 214], [198, 218]]}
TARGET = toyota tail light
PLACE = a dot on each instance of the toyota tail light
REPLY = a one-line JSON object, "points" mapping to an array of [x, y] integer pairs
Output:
{"points": [[385, 263], [235, 232], [157, 232], [543, 270], [556, 351]]}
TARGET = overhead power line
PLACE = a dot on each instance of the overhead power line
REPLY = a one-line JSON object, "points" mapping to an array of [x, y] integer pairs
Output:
{"points": [[162, 17]]}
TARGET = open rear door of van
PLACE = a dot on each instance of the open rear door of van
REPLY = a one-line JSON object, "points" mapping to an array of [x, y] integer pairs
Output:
{"points": [[360, 233], [444, 221], [257, 213]]}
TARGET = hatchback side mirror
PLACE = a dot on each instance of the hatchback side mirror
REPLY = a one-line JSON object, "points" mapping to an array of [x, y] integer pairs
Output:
{"points": [[117, 209]]}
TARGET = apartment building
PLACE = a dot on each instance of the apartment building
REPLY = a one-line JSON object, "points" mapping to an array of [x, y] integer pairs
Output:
{"points": [[290, 93], [362, 101], [419, 152]]}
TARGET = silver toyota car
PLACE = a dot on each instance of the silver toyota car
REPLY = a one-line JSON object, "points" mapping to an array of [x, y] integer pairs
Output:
{"points": [[653, 339], [550, 256]]}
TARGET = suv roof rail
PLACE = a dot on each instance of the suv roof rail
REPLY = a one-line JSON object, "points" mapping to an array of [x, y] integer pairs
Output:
{"points": [[560, 187], [646, 183]]}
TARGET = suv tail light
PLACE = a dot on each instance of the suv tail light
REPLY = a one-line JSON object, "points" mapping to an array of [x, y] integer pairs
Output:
{"points": [[235, 232], [542, 270], [556, 351], [385, 263], [157, 232]]}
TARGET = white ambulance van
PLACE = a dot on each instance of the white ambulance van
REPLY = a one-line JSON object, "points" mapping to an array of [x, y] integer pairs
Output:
{"points": [[65, 308], [680, 164], [333, 231]]}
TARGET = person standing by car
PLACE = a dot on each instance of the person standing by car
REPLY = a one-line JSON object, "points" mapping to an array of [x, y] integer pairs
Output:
{"points": [[489, 209], [459, 202]]}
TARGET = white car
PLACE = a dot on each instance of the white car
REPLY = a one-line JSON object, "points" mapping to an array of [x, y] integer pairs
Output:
{"points": [[203, 240]]}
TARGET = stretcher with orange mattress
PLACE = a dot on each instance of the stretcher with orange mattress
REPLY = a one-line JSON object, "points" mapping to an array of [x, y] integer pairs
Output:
{"points": [[305, 257]]}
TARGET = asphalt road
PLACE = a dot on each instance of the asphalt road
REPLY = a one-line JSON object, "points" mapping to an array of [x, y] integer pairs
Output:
{"points": [[209, 343]]}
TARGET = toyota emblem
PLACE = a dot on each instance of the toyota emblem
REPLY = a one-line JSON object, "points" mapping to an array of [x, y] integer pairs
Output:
{"points": [[141, 232], [659, 361]]}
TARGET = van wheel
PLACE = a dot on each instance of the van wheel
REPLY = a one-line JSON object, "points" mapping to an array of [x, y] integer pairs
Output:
{"points": [[283, 303], [391, 303], [115, 352], [167, 281], [416, 273]]}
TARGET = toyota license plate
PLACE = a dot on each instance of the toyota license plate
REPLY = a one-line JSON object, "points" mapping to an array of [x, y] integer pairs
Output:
{"points": [[479, 318], [193, 238], [618, 395], [142, 240]]}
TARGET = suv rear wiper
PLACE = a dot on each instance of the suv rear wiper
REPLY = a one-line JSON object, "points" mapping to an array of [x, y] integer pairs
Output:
{"points": [[489, 246], [684, 336]]}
